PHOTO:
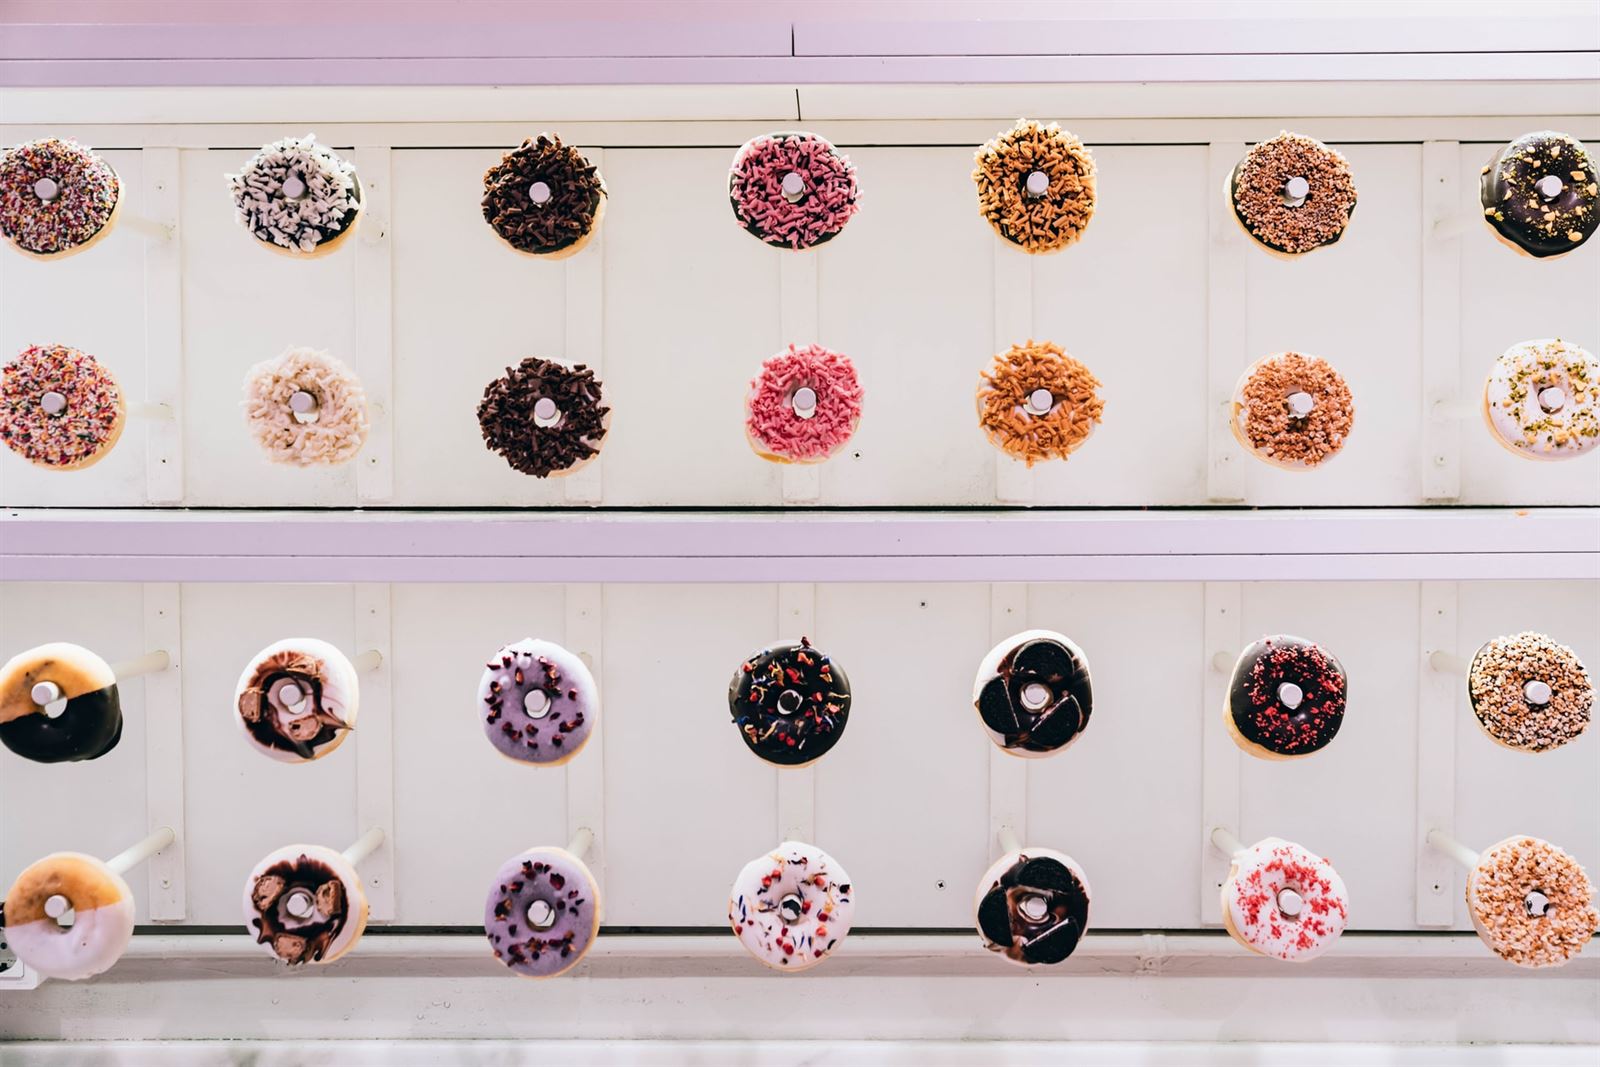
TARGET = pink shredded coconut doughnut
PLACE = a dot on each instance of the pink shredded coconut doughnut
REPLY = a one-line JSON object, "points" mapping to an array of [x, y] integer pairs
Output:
{"points": [[777, 425], [820, 197]]}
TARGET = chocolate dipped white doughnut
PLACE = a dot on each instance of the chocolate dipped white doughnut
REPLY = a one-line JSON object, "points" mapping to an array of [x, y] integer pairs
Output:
{"points": [[791, 907], [90, 724], [1539, 400], [306, 903], [68, 916], [790, 702], [297, 699], [1284, 902], [1032, 693], [1531, 902], [1529, 692], [542, 913], [1286, 698], [1032, 906], [538, 702]]}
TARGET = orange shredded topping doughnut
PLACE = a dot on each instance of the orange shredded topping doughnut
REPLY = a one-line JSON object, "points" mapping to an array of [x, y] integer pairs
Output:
{"points": [[1015, 424], [1053, 213]]}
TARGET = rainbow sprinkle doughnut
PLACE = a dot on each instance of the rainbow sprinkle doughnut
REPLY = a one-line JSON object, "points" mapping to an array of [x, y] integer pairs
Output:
{"points": [[56, 197], [803, 406], [59, 408], [792, 190], [297, 197], [306, 409]]}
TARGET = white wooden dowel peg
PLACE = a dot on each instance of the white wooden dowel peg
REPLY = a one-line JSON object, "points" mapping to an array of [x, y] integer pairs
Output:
{"points": [[1222, 662], [149, 663], [1225, 842], [367, 661], [582, 838], [1008, 840], [1451, 226], [156, 412], [131, 857], [1443, 842], [1446, 662], [365, 845], [147, 227], [1454, 411]]}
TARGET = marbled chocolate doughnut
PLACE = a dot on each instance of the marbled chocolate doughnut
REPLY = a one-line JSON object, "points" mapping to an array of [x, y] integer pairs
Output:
{"points": [[88, 727], [1539, 400], [306, 903], [542, 913], [1292, 194], [790, 703], [1292, 411], [543, 418], [306, 409], [1286, 698], [56, 197], [94, 901], [1539, 194], [791, 907], [297, 699], [1033, 906], [803, 407], [792, 190], [1282, 901], [60, 408], [1036, 402], [539, 703], [1036, 186], [297, 197], [1032, 693], [1529, 693], [1531, 902], [544, 199]]}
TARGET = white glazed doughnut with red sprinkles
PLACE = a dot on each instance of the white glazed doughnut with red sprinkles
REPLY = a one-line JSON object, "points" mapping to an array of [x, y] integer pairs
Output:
{"points": [[1284, 902], [791, 907]]}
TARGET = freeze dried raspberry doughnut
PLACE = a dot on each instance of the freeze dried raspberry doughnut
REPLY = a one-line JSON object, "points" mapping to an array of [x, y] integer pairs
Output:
{"points": [[1036, 402], [1292, 411], [297, 699], [1539, 194], [306, 409], [543, 418], [804, 406], [1539, 400], [1286, 698], [92, 898], [60, 408], [1292, 194], [297, 197], [544, 199], [790, 702], [88, 727], [1032, 693], [1036, 186], [542, 913], [56, 197], [1529, 693], [791, 907], [538, 701], [1282, 901], [1033, 906], [306, 903], [792, 190], [1531, 902]]}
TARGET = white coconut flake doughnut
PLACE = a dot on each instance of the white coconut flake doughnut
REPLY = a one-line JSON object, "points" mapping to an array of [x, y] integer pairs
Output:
{"points": [[1282, 901], [297, 197], [791, 907], [306, 903], [1032, 906], [81, 891], [297, 699], [1539, 399], [306, 409]]}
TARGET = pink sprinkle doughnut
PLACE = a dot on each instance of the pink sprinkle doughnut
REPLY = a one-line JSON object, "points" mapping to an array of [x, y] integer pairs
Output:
{"points": [[55, 196], [775, 423], [60, 408], [815, 207]]}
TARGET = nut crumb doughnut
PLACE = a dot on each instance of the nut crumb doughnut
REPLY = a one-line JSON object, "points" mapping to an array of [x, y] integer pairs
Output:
{"points": [[1540, 400], [1036, 186], [1291, 410], [1529, 693], [544, 199], [1292, 194], [306, 409], [60, 408], [1539, 194], [57, 197], [1036, 402], [1531, 902]]}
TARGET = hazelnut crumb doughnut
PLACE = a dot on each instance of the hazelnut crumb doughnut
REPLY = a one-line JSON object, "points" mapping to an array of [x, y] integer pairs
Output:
{"points": [[60, 408], [306, 903], [1531, 902], [306, 409], [544, 418], [792, 190], [544, 199], [297, 197], [1529, 693], [1036, 402], [1036, 186], [297, 699], [804, 405], [1539, 400], [93, 900], [1292, 194], [90, 724], [1032, 906], [1539, 194], [56, 197], [1291, 410]]}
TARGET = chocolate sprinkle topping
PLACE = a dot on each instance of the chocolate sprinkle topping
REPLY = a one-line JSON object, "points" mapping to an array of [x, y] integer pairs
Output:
{"points": [[506, 416], [560, 222]]}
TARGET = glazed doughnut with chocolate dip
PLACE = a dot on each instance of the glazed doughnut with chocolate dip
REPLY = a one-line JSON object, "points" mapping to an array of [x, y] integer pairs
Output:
{"points": [[1529, 693], [803, 407], [1292, 194], [790, 703], [543, 418], [87, 728], [542, 913], [60, 408], [538, 702], [792, 190], [56, 197], [306, 903], [1539, 194], [1531, 902], [297, 197], [1292, 411], [1539, 400], [791, 907], [1032, 693], [1033, 906], [297, 699], [93, 901], [1036, 186], [306, 409], [1286, 698], [544, 199], [1280, 900], [1036, 402]]}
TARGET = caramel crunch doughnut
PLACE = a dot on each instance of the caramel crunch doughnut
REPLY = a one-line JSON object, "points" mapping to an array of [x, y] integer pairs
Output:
{"points": [[1539, 194], [1292, 194], [1036, 186], [60, 408], [544, 198], [1291, 410], [1036, 402], [543, 418], [306, 409], [1529, 693], [56, 197], [1531, 902]]}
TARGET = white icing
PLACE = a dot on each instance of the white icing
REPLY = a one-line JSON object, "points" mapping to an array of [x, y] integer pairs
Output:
{"points": [[1558, 387], [294, 193], [825, 902], [92, 940], [1256, 894], [340, 687]]}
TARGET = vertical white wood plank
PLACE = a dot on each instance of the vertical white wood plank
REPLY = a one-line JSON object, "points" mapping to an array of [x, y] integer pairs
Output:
{"points": [[374, 741], [584, 637], [374, 324], [798, 315], [167, 894], [1441, 321], [1228, 303], [797, 787], [1219, 770], [1013, 324], [1008, 775], [585, 343], [161, 201], [1440, 703]]}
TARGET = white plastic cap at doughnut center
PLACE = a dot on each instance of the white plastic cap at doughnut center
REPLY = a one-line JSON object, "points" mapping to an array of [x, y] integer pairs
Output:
{"points": [[541, 916], [1552, 398], [1549, 186], [1035, 695], [804, 402], [539, 193], [299, 904], [302, 402], [1295, 191], [1290, 695], [1290, 902], [294, 187], [1034, 907], [53, 403], [1537, 692], [1040, 401], [1537, 904], [1038, 183], [56, 906], [290, 695], [545, 412], [536, 704], [1300, 404], [46, 189], [45, 693], [794, 186]]}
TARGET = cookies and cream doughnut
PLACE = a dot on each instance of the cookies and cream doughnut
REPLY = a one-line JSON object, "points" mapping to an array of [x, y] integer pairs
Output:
{"points": [[1291, 410], [538, 702], [1032, 693], [1036, 186], [306, 409], [1531, 902], [803, 406], [544, 418], [31, 682], [60, 408], [56, 197], [1292, 194], [297, 197], [542, 913], [1036, 402], [544, 199], [306, 903], [1282, 901], [1529, 692], [1033, 906], [1286, 698], [1539, 194], [792, 190], [297, 699], [68, 916], [791, 907], [1539, 399], [790, 703]]}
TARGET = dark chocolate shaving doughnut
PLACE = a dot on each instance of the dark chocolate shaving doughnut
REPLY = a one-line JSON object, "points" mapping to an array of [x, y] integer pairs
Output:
{"points": [[90, 724], [1037, 909], [1293, 194], [1033, 693], [1286, 698], [790, 702], [572, 191], [1539, 192], [515, 426]]}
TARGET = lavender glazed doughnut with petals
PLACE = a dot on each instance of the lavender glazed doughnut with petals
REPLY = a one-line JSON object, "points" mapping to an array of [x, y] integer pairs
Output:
{"points": [[538, 702], [542, 912]]}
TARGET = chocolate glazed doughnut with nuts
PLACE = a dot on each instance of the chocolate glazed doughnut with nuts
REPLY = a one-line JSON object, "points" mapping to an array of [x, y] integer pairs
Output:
{"points": [[1539, 194], [545, 419], [544, 199]]}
